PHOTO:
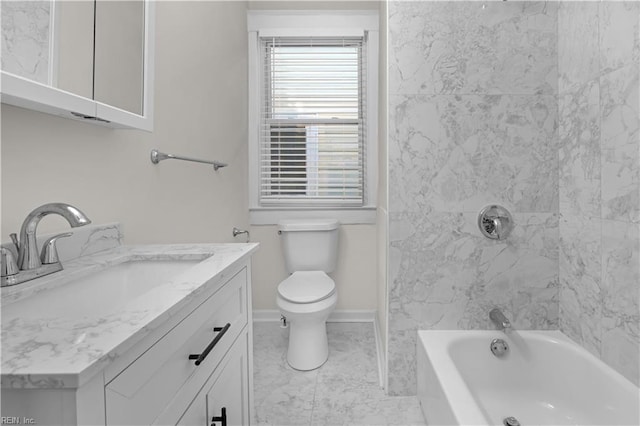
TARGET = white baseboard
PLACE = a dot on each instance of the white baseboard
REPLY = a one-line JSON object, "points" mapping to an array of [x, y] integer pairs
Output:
{"points": [[273, 315], [266, 315]]}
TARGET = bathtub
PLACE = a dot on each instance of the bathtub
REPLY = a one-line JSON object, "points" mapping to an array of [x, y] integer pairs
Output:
{"points": [[543, 379]]}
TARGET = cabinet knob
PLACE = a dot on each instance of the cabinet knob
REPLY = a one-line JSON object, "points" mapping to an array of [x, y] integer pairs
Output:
{"points": [[222, 418]]}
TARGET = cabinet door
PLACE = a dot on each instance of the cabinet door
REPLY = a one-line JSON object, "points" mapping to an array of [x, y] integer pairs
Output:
{"points": [[196, 414], [230, 389]]}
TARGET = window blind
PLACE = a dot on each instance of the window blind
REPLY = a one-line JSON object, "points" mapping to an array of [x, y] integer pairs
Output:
{"points": [[312, 131]]}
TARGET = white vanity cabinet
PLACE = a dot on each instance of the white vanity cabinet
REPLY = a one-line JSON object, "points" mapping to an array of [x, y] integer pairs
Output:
{"points": [[158, 386], [193, 366]]}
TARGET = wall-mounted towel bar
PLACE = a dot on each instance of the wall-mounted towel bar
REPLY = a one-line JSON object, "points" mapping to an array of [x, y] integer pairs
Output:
{"points": [[157, 156]]}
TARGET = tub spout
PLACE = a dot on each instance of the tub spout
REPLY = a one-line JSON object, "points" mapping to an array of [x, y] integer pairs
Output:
{"points": [[500, 320]]}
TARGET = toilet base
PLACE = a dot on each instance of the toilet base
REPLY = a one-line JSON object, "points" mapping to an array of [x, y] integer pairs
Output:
{"points": [[308, 345]]}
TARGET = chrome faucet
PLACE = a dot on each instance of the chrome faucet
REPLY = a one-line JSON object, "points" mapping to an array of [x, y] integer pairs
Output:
{"points": [[500, 320], [32, 264]]}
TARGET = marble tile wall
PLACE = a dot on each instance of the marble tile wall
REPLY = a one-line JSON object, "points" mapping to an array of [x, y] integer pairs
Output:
{"points": [[598, 53], [25, 39], [473, 120]]}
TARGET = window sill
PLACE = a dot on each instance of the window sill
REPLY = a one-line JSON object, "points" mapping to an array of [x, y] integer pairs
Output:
{"points": [[346, 216]]}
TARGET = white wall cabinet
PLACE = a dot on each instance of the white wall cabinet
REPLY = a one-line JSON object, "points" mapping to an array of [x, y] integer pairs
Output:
{"points": [[111, 99]]}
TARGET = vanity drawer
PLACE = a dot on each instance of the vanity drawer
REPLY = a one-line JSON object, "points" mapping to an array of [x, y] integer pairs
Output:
{"points": [[144, 389]]}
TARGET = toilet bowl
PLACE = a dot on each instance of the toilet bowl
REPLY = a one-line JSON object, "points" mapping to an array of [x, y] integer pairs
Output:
{"points": [[307, 314], [308, 295]]}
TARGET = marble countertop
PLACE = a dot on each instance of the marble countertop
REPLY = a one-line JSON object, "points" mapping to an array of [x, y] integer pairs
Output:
{"points": [[63, 346]]}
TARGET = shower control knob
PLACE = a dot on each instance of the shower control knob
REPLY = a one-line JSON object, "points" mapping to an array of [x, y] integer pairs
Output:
{"points": [[495, 222]]}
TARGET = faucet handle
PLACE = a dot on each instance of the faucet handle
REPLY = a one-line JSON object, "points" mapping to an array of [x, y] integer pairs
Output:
{"points": [[50, 251], [9, 264], [14, 239]]}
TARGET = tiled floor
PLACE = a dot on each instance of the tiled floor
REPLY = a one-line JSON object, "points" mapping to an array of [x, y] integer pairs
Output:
{"points": [[344, 391]]}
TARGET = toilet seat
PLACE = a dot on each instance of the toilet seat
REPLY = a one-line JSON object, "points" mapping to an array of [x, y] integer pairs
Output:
{"points": [[306, 287]]}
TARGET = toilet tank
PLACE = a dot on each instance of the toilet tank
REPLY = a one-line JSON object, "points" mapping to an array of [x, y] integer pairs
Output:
{"points": [[309, 245]]}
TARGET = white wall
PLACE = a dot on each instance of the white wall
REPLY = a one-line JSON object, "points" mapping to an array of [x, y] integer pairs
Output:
{"points": [[201, 111], [200, 95], [356, 273]]}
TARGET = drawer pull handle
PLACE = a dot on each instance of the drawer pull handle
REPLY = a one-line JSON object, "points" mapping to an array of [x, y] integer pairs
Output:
{"points": [[222, 419], [200, 357]]}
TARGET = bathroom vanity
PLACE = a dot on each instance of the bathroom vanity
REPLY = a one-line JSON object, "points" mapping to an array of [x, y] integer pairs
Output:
{"points": [[133, 335]]}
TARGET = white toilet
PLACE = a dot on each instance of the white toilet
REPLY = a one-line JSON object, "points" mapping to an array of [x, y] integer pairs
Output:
{"points": [[308, 295]]}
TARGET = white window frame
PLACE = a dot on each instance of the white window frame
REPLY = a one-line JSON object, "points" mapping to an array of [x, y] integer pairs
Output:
{"points": [[313, 24]]}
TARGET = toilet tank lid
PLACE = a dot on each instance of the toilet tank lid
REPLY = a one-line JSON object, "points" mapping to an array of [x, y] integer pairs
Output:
{"points": [[308, 225]]}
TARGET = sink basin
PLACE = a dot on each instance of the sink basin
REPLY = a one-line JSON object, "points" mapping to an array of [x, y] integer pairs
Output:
{"points": [[100, 292]]}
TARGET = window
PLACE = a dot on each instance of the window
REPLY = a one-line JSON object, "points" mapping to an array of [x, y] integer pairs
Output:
{"points": [[313, 127], [311, 134]]}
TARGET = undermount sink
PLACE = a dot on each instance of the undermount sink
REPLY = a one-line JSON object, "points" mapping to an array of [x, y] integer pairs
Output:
{"points": [[101, 291]]}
